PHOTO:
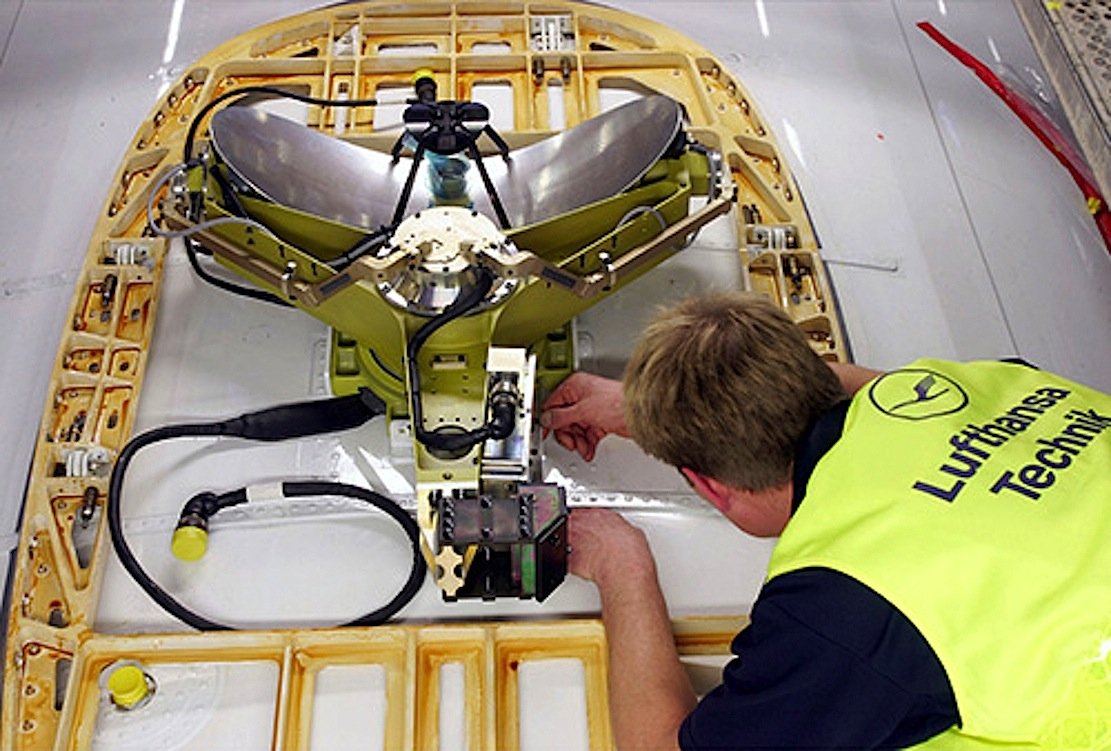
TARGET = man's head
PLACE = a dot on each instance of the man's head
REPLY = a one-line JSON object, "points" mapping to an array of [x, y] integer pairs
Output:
{"points": [[725, 385]]}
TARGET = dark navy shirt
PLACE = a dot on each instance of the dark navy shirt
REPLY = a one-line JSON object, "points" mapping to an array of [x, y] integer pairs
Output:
{"points": [[825, 663]]}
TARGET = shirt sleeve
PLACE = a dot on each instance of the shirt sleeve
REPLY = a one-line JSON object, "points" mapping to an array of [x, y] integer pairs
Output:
{"points": [[824, 663]]}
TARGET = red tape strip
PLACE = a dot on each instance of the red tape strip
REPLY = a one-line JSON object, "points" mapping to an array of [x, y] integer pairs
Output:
{"points": [[1046, 132]]}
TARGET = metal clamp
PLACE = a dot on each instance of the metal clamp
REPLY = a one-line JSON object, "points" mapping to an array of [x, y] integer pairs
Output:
{"points": [[607, 265], [286, 283]]}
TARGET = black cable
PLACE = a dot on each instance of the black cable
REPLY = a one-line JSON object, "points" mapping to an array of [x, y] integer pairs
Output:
{"points": [[191, 246], [115, 524], [373, 241], [190, 137], [501, 422], [235, 289], [416, 571], [231, 196], [385, 368], [232, 203], [273, 424]]}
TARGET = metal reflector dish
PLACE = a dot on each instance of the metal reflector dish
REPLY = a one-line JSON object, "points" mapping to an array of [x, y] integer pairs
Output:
{"points": [[304, 169], [301, 168], [594, 160]]}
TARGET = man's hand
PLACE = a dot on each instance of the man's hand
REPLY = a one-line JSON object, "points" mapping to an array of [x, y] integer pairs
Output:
{"points": [[605, 547], [650, 693], [582, 411]]}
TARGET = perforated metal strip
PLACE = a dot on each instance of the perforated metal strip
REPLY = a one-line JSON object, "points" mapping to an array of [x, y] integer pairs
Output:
{"points": [[1073, 38]]}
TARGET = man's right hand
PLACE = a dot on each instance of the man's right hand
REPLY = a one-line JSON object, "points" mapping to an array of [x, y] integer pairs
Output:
{"points": [[583, 410], [606, 548]]}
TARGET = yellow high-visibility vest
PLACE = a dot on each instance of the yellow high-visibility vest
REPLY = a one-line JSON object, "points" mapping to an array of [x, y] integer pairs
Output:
{"points": [[976, 499]]}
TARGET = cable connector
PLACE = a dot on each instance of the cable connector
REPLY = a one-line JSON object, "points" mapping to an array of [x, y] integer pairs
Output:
{"points": [[424, 85], [504, 401], [190, 540], [309, 418]]}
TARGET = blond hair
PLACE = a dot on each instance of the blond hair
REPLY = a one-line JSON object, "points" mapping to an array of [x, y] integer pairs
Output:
{"points": [[726, 385]]}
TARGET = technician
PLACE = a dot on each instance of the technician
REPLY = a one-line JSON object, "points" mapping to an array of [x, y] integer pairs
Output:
{"points": [[943, 570]]}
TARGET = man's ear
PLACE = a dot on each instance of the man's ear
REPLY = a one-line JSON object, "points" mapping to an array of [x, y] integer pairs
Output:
{"points": [[714, 491]]}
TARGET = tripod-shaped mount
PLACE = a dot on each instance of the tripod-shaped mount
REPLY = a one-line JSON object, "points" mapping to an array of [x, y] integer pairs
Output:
{"points": [[446, 133]]}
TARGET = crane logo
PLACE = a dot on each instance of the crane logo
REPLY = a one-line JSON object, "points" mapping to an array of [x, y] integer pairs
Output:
{"points": [[917, 394]]}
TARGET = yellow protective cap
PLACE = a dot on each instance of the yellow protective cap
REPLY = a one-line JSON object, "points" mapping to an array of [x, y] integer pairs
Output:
{"points": [[189, 543], [420, 73], [127, 685]]}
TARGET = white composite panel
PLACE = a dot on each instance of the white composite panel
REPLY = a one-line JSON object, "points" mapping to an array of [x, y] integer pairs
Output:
{"points": [[906, 159], [76, 79], [948, 229], [1049, 269], [9, 11]]}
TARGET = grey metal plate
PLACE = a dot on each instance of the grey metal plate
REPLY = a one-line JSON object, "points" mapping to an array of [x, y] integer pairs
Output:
{"points": [[307, 170]]}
